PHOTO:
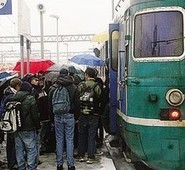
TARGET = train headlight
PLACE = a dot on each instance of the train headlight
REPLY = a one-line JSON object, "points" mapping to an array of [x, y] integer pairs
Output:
{"points": [[175, 97]]}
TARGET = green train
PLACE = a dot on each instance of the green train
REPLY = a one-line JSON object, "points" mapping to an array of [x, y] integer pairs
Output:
{"points": [[147, 67]]}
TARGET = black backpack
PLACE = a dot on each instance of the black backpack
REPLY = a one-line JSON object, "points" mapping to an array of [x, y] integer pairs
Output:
{"points": [[89, 101]]}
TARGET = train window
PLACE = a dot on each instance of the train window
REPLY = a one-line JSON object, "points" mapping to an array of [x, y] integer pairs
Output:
{"points": [[114, 61], [158, 34]]}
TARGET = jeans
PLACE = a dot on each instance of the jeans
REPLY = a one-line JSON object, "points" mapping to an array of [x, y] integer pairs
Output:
{"points": [[87, 129], [26, 149], [64, 131]]}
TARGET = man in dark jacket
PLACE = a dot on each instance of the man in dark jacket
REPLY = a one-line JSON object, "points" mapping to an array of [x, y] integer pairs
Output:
{"points": [[42, 101], [100, 134], [89, 117], [26, 135], [64, 121]]}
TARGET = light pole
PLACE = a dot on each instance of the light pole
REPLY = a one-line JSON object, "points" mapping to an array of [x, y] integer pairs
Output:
{"points": [[67, 52], [112, 9], [57, 18], [41, 10]]}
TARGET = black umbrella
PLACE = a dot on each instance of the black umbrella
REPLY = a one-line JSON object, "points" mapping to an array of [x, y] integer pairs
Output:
{"points": [[54, 68], [53, 71], [51, 76], [58, 67]]}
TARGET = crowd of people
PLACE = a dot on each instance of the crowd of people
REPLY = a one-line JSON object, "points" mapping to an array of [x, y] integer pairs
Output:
{"points": [[60, 116]]}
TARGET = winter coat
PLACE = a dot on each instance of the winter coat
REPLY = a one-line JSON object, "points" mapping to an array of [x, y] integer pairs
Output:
{"points": [[29, 111], [89, 83], [73, 93], [42, 101]]}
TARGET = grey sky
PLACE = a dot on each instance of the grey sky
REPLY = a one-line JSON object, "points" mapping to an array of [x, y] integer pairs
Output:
{"points": [[76, 17]]}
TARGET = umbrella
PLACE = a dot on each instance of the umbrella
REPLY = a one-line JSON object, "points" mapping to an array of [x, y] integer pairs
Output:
{"points": [[104, 36], [101, 37], [36, 65], [87, 59], [53, 71], [51, 76], [6, 76], [58, 67]]}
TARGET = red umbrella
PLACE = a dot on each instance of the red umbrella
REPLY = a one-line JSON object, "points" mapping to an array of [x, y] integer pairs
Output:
{"points": [[36, 65]]}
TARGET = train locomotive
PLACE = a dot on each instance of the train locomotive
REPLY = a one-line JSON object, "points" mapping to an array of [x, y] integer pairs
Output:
{"points": [[147, 80]]}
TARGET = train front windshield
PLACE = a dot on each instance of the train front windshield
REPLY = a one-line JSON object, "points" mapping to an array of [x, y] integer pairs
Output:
{"points": [[159, 34]]}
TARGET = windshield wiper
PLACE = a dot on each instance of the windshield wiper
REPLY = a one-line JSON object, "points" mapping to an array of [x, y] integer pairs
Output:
{"points": [[155, 40], [167, 41]]}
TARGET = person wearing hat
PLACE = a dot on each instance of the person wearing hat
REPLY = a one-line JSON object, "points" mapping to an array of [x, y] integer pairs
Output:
{"points": [[42, 100]]}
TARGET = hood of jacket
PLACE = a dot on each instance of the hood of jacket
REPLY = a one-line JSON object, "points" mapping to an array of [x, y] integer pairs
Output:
{"points": [[64, 80], [9, 90]]}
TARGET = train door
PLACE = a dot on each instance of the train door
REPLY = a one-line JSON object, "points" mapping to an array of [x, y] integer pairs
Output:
{"points": [[122, 71], [113, 72], [124, 32]]}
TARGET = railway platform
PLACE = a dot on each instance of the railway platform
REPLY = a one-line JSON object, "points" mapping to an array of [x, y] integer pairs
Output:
{"points": [[111, 159], [104, 162]]}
